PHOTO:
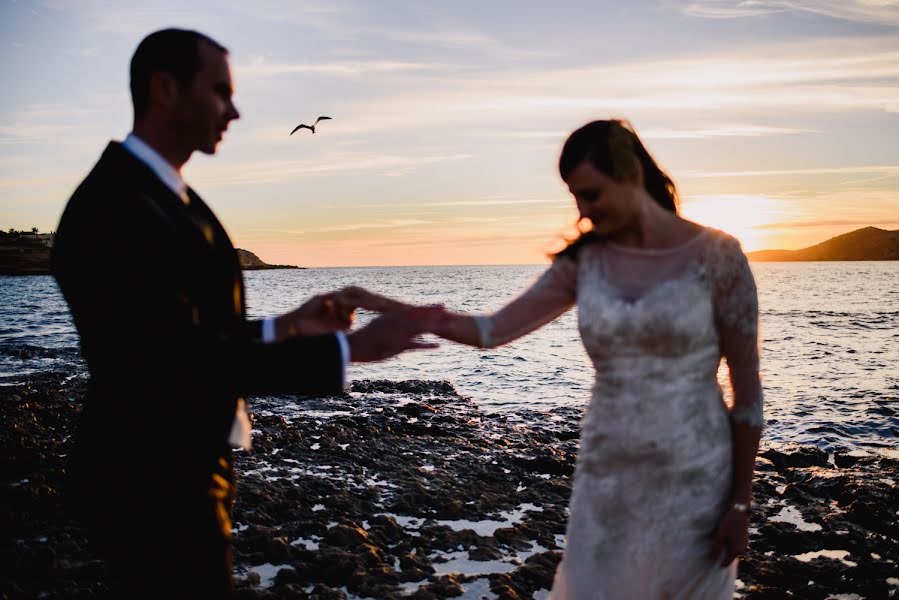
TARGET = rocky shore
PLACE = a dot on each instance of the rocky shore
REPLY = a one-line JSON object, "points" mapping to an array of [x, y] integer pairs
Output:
{"points": [[251, 262], [406, 490], [28, 253], [25, 253]]}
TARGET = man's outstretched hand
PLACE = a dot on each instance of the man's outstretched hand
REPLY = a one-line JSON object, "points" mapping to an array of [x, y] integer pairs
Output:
{"points": [[334, 311], [317, 316], [395, 332]]}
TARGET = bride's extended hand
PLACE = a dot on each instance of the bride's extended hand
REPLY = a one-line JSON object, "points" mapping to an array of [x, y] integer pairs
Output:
{"points": [[352, 297], [731, 537]]}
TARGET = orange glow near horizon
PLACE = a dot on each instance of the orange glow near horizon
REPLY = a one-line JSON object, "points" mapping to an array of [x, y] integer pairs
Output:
{"points": [[758, 222], [741, 216]]}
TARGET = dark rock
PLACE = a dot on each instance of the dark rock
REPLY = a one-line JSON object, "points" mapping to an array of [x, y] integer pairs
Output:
{"points": [[838, 488], [451, 509], [415, 562], [411, 386], [845, 461], [285, 576], [484, 552], [386, 527], [552, 462], [416, 410], [413, 574], [798, 457], [323, 592], [368, 463], [369, 556], [447, 586], [346, 536], [512, 537], [335, 567]]}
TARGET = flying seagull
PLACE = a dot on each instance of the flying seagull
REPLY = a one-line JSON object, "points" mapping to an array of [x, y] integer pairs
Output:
{"points": [[310, 127]]}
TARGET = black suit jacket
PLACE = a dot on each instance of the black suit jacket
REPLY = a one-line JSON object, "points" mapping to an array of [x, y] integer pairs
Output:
{"points": [[156, 293]]}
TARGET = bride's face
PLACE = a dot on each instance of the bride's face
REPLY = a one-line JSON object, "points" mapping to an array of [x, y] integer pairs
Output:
{"points": [[609, 205]]}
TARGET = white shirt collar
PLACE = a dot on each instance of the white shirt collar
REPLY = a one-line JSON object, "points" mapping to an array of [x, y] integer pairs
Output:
{"points": [[157, 164]]}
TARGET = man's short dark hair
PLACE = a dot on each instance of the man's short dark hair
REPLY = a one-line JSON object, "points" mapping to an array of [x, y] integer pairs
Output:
{"points": [[175, 51]]}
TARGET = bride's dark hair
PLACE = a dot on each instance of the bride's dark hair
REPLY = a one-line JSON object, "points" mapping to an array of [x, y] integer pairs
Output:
{"points": [[614, 149]]}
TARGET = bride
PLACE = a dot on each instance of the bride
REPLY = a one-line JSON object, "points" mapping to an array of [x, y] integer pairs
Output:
{"points": [[662, 488], [663, 484]]}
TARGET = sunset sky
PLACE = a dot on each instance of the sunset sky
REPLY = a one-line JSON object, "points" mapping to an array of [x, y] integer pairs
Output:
{"points": [[778, 120]]}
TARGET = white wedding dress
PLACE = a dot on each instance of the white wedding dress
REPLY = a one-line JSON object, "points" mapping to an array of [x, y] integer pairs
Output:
{"points": [[653, 471]]}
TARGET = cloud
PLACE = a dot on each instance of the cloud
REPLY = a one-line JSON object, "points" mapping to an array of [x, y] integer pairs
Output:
{"points": [[478, 220], [728, 10], [494, 202], [798, 78], [880, 12], [21, 133], [102, 16], [219, 174], [525, 238], [827, 223], [49, 123], [278, 231], [381, 224], [54, 111], [878, 169], [40, 182], [361, 28], [663, 133], [555, 134], [260, 67], [452, 38], [479, 202]]}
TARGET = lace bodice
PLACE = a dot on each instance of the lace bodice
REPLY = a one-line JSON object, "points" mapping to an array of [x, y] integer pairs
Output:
{"points": [[676, 311]]}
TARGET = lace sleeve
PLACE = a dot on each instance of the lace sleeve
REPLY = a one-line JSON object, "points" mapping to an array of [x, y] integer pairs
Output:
{"points": [[737, 322], [550, 296]]}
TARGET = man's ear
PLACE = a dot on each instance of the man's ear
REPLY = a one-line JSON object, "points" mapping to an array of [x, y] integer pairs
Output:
{"points": [[164, 90]]}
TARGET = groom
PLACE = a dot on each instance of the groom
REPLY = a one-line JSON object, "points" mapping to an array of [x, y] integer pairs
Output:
{"points": [[155, 289]]}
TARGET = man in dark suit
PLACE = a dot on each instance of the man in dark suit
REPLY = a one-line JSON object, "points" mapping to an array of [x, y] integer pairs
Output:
{"points": [[156, 293]]}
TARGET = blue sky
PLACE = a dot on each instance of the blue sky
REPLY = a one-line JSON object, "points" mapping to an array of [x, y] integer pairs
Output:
{"points": [[777, 120]]}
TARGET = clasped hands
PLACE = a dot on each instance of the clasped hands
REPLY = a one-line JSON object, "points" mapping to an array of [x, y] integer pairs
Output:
{"points": [[396, 330]]}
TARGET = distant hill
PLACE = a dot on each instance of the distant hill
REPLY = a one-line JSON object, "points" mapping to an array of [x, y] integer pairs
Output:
{"points": [[28, 253], [868, 243], [251, 262], [25, 252]]}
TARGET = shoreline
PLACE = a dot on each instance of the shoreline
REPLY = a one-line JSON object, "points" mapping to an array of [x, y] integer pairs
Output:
{"points": [[43, 270], [406, 490]]}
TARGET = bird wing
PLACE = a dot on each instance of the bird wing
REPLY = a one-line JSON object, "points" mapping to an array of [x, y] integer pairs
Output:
{"points": [[322, 119], [300, 126]]}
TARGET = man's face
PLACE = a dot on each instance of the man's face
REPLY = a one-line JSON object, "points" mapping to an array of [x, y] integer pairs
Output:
{"points": [[205, 106]]}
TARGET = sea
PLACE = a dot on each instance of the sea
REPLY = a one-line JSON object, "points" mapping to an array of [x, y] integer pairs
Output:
{"points": [[830, 342]]}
